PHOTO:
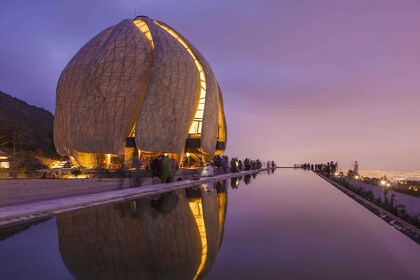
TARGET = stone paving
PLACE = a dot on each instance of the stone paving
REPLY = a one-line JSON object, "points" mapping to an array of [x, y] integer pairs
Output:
{"points": [[19, 191]]}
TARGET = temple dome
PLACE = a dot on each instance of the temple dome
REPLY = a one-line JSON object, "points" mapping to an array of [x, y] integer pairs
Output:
{"points": [[142, 79]]}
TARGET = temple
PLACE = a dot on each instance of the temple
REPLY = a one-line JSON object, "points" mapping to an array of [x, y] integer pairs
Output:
{"points": [[138, 89]]}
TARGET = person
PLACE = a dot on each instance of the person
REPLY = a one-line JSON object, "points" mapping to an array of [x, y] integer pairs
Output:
{"points": [[240, 165], [136, 173], [120, 172], [208, 171], [166, 174], [154, 167], [356, 168], [225, 163], [233, 165], [174, 165]]}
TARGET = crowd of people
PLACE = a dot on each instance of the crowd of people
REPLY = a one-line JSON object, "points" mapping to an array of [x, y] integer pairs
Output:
{"points": [[162, 169], [329, 168], [237, 165]]}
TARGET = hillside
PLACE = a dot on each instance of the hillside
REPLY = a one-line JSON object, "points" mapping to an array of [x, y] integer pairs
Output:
{"points": [[32, 126]]}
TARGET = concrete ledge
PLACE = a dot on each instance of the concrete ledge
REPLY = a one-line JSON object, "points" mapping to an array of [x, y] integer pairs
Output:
{"points": [[18, 214], [394, 221]]}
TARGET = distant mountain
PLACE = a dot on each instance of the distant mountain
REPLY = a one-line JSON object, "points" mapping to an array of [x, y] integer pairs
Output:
{"points": [[30, 126]]}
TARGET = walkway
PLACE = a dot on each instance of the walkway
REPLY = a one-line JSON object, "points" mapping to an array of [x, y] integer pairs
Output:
{"points": [[46, 201]]}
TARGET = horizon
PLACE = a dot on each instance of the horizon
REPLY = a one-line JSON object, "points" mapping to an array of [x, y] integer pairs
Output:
{"points": [[309, 82]]}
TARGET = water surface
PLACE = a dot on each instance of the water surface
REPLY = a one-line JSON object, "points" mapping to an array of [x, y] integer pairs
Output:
{"points": [[286, 225]]}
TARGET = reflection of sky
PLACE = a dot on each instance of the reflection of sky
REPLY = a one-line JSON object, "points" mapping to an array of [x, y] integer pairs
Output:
{"points": [[290, 225], [315, 81], [33, 252], [294, 225]]}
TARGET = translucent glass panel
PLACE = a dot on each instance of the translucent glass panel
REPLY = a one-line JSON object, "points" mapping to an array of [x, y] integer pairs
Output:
{"points": [[196, 126]]}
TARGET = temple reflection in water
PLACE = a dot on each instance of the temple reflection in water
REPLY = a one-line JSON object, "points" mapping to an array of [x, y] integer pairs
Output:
{"points": [[175, 235]]}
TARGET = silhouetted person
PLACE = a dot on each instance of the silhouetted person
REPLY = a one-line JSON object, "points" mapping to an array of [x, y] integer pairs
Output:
{"points": [[247, 164], [154, 167], [166, 174], [356, 168], [233, 165], [120, 172], [240, 166], [225, 163]]}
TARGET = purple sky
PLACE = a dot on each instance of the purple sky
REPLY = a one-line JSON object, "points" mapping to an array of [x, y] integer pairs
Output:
{"points": [[302, 80]]}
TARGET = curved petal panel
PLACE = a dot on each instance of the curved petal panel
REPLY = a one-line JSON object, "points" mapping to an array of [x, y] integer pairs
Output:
{"points": [[211, 108], [222, 133], [112, 96], [70, 89], [172, 97]]}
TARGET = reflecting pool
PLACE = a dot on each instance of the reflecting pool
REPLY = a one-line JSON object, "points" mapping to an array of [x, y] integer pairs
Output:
{"points": [[286, 225]]}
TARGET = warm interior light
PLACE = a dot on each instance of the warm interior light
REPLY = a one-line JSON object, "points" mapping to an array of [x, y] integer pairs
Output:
{"points": [[142, 26], [196, 126]]}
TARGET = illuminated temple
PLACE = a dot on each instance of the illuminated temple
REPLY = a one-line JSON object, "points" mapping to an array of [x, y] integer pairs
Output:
{"points": [[138, 88]]}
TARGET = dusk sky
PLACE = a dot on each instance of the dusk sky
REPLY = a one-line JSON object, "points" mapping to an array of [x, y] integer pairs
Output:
{"points": [[303, 81]]}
